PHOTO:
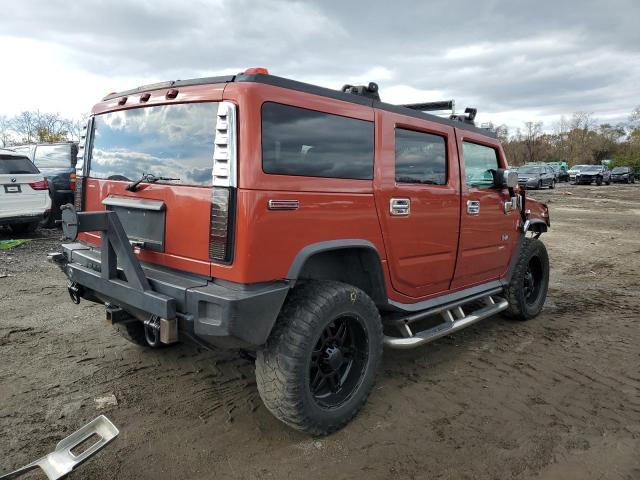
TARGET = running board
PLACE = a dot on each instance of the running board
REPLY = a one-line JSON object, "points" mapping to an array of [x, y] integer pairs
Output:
{"points": [[454, 319]]}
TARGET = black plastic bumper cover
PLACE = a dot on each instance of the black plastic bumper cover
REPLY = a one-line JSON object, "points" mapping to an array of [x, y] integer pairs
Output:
{"points": [[209, 310]]}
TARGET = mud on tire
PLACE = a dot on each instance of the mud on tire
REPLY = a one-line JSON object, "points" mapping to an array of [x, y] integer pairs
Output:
{"points": [[319, 363], [527, 290]]}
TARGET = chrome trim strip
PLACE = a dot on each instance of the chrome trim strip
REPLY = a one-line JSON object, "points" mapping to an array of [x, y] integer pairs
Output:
{"points": [[225, 149], [139, 203]]}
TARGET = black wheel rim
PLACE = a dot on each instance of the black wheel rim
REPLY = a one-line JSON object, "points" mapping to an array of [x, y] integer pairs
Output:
{"points": [[533, 281], [338, 361]]}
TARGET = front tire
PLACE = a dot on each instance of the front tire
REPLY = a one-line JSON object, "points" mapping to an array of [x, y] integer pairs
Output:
{"points": [[320, 361], [553, 184], [527, 290]]}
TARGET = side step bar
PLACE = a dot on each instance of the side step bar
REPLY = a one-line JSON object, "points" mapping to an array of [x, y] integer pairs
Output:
{"points": [[454, 319]]}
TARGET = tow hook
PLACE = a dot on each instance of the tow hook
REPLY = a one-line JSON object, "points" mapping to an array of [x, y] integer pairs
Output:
{"points": [[74, 292], [152, 331]]}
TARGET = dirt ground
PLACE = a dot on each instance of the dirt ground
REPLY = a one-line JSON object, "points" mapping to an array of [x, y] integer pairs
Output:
{"points": [[555, 397]]}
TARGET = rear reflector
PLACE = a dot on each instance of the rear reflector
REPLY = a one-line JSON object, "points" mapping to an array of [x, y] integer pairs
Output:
{"points": [[41, 185], [72, 181], [219, 231]]}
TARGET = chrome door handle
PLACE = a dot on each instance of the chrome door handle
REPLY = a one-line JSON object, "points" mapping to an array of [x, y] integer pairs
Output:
{"points": [[400, 207], [473, 207]]}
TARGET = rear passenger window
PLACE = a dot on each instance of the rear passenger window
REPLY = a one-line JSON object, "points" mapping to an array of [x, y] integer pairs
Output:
{"points": [[420, 158], [478, 163], [297, 141]]}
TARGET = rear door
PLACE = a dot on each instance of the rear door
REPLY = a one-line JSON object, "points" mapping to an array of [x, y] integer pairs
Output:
{"points": [[22, 190], [488, 234], [169, 220], [417, 197]]}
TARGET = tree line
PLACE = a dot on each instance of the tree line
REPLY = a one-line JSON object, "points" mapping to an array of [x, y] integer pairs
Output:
{"points": [[36, 126], [578, 139]]}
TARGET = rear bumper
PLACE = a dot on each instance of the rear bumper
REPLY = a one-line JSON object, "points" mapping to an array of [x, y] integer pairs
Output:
{"points": [[62, 197], [219, 313], [22, 218]]}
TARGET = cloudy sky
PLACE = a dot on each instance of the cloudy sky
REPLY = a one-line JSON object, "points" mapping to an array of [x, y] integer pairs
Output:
{"points": [[513, 60]]}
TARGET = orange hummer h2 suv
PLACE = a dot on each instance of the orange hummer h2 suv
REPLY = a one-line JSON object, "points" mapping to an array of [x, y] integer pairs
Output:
{"points": [[308, 225]]}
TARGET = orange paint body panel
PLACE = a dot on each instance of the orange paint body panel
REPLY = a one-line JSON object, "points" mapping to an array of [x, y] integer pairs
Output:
{"points": [[435, 250]]}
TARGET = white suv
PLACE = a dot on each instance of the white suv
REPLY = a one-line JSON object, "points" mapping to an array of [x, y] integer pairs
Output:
{"points": [[24, 193]]}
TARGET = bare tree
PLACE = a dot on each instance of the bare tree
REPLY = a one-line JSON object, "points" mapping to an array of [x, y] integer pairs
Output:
{"points": [[5, 131], [532, 140], [35, 126]]}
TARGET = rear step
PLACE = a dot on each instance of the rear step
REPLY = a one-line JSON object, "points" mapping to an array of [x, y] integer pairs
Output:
{"points": [[454, 319]]}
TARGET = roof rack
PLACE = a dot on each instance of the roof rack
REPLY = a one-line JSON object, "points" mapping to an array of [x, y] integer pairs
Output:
{"points": [[369, 91], [468, 116]]}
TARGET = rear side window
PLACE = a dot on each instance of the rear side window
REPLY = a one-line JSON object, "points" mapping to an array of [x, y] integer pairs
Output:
{"points": [[479, 160], [420, 158], [297, 141], [10, 165], [51, 156]]}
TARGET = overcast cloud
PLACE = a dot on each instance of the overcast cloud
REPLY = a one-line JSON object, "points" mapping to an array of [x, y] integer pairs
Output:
{"points": [[514, 61]]}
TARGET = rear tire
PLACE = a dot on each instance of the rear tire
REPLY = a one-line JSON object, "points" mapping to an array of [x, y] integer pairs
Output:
{"points": [[22, 228], [527, 290], [320, 361]]}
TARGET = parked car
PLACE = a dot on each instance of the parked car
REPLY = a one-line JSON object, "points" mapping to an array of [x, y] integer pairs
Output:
{"points": [[24, 193], [573, 171], [594, 173], [536, 176], [57, 162], [623, 175], [321, 227], [561, 170]]}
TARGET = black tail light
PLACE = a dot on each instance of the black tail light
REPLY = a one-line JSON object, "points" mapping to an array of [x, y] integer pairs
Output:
{"points": [[221, 224]]}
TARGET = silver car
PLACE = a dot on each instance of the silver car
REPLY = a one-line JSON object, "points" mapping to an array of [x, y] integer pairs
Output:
{"points": [[536, 176]]}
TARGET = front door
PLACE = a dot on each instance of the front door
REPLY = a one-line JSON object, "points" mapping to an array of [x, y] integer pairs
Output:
{"points": [[488, 234], [417, 197]]}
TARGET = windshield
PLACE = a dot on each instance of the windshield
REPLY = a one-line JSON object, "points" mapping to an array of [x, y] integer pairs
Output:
{"points": [[11, 165], [530, 170], [619, 170], [167, 141], [578, 167], [592, 168], [53, 156]]}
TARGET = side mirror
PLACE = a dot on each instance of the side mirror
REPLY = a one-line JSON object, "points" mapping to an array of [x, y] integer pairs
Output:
{"points": [[504, 178]]}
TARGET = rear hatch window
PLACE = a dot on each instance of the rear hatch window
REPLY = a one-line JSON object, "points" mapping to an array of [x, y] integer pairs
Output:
{"points": [[174, 141], [53, 156], [10, 165]]}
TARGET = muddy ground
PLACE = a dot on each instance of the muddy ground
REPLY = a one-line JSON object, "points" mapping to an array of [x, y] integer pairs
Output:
{"points": [[555, 397]]}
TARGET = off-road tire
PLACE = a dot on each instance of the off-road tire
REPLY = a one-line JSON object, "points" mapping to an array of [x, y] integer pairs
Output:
{"points": [[519, 307], [283, 366], [22, 228], [132, 331]]}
